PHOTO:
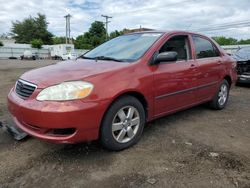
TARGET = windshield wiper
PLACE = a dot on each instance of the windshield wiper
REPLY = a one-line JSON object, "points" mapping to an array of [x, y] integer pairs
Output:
{"points": [[84, 57], [101, 58], [107, 58]]}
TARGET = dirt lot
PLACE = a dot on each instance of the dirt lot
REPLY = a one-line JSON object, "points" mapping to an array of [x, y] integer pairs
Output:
{"points": [[194, 148]]}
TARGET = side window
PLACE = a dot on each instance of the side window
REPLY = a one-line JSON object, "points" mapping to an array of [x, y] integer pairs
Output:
{"points": [[178, 44], [204, 48]]}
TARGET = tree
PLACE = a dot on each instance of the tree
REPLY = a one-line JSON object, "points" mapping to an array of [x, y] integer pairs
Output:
{"points": [[115, 34], [225, 41], [59, 40], [83, 41], [247, 41], [1, 43], [32, 28], [94, 37], [97, 33], [230, 41], [37, 43], [97, 29]]}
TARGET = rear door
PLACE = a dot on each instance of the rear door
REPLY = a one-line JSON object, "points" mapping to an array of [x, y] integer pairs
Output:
{"points": [[210, 67], [174, 81]]}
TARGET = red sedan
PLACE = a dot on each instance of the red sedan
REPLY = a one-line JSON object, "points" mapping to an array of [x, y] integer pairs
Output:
{"points": [[110, 92]]}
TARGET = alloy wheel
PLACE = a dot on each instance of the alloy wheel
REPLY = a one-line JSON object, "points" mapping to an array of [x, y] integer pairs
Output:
{"points": [[223, 94], [125, 124]]}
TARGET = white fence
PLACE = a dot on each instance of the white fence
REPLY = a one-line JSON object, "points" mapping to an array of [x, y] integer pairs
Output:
{"points": [[8, 52]]}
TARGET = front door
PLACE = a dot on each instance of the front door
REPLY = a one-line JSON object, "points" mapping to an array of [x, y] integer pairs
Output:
{"points": [[174, 81]]}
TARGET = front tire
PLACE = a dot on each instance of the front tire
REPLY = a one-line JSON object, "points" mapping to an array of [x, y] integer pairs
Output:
{"points": [[220, 99], [123, 124]]}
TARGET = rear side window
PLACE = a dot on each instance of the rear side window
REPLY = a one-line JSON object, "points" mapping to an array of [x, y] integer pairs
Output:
{"points": [[204, 48]]}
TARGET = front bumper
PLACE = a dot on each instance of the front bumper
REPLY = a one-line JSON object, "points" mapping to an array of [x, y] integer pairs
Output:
{"points": [[44, 119], [244, 78]]}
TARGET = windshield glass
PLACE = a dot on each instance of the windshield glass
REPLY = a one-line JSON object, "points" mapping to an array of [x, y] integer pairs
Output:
{"points": [[124, 48]]}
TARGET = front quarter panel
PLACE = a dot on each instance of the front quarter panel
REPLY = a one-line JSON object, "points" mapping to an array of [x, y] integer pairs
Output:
{"points": [[230, 68], [136, 77]]}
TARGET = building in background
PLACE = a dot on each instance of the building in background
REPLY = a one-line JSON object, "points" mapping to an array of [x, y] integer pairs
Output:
{"points": [[136, 30]]}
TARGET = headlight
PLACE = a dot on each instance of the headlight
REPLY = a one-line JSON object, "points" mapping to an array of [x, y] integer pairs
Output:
{"points": [[66, 91]]}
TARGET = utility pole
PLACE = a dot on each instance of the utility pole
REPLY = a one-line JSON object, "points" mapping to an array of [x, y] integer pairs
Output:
{"points": [[106, 23], [67, 17]]}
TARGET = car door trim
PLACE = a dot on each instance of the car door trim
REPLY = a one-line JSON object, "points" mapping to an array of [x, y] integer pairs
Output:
{"points": [[186, 90]]}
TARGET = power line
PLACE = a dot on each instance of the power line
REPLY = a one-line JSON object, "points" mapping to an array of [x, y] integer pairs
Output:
{"points": [[170, 5], [131, 11], [106, 23], [224, 26], [235, 22]]}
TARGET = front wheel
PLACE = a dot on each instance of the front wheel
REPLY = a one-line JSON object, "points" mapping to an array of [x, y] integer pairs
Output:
{"points": [[123, 124], [220, 99]]}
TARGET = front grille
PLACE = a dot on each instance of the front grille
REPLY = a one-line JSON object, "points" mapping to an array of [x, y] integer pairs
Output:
{"points": [[24, 89], [243, 67]]}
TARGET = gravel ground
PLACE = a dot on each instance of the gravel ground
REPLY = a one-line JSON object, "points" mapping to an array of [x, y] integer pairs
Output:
{"points": [[198, 147]]}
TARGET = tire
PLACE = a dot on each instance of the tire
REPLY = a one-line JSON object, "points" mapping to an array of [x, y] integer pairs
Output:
{"points": [[221, 97], [121, 129]]}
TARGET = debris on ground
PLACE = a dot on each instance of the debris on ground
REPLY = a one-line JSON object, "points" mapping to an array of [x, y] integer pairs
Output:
{"points": [[15, 132], [152, 181], [188, 143], [213, 154]]}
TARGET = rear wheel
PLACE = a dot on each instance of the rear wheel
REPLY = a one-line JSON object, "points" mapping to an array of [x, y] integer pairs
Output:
{"points": [[220, 99], [123, 124]]}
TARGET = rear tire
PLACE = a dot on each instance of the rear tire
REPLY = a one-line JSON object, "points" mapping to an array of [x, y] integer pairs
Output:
{"points": [[221, 97], [123, 124]]}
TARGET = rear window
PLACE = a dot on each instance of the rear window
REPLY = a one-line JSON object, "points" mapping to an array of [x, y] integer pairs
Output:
{"points": [[204, 48]]}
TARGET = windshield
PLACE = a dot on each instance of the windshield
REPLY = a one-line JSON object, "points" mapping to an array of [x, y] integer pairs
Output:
{"points": [[124, 48]]}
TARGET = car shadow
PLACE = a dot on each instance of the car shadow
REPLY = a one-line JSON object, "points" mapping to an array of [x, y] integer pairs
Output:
{"points": [[95, 149]]}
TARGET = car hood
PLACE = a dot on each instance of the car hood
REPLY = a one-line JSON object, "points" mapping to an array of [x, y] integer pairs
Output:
{"points": [[242, 54], [69, 71]]}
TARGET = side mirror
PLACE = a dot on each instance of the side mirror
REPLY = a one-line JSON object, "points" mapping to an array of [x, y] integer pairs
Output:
{"points": [[166, 57]]}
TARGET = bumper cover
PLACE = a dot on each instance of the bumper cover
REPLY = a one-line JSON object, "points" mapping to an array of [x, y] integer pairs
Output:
{"points": [[244, 78], [38, 118]]}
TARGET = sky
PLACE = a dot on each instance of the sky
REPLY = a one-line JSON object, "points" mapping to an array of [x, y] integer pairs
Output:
{"points": [[204, 16]]}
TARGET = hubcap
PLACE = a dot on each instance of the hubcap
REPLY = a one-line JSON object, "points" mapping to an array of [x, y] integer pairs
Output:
{"points": [[125, 124], [223, 93]]}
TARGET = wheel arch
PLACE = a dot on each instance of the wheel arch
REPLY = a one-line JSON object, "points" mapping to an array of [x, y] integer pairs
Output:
{"points": [[138, 95], [228, 79]]}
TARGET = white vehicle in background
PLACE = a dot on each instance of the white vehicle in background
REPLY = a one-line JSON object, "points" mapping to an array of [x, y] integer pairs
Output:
{"points": [[29, 55], [62, 51], [69, 56]]}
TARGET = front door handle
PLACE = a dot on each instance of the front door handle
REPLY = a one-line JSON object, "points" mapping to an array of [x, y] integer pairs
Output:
{"points": [[219, 62], [192, 66]]}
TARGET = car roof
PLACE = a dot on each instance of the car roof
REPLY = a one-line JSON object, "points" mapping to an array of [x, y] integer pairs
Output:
{"points": [[181, 32], [168, 32]]}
